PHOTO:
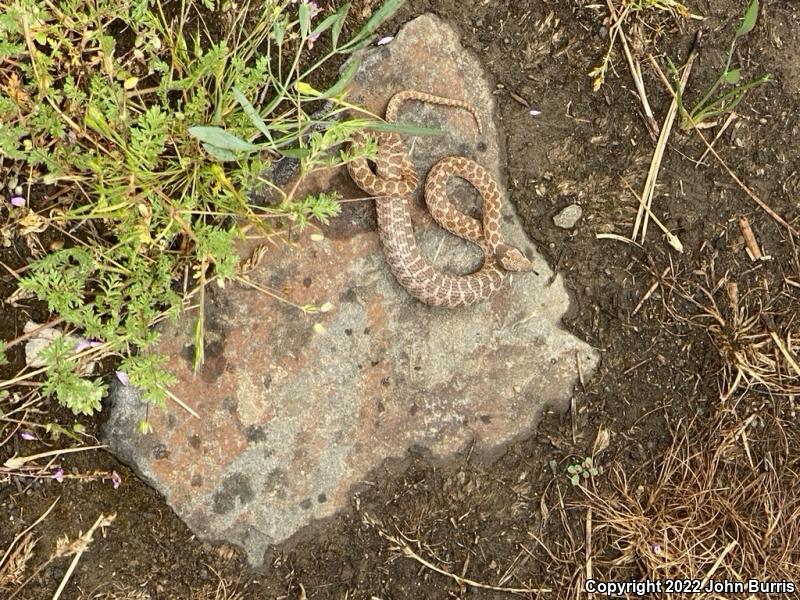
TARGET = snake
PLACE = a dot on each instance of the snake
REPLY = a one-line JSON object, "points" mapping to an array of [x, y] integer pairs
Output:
{"points": [[392, 184]]}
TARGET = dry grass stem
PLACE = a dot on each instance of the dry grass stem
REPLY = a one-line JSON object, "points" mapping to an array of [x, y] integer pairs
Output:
{"points": [[646, 201], [751, 245], [402, 546], [8, 556], [764, 206], [728, 121], [653, 287], [15, 562], [15, 462], [724, 507], [635, 69], [758, 342], [78, 547]]}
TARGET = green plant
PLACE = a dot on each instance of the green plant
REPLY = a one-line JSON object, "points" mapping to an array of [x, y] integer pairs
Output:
{"points": [[140, 122], [727, 90], [581, 470], [80, 395]]}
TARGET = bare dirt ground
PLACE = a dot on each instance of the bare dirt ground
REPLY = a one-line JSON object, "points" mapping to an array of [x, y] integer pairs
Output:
{"points": [[516, 521]]}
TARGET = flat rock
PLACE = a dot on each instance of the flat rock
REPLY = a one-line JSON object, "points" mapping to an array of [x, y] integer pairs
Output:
{"points": [[295, 410]]}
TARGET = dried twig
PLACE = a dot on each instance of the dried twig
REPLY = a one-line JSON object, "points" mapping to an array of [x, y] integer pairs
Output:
{"points": [[78, 547], [15, 462], [658, 154], [722, 129], [635, 69], [753, 249], [407, 551]]}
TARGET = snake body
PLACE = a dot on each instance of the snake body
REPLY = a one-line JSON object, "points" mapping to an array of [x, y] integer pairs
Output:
{"points": [[393, 184]]}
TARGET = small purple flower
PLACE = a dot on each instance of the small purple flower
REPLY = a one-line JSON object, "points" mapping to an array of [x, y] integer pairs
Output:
{"points": [[83, 344], [115, 479], [315, 10], [58, 475], [27, 435], [656, 548], [384, 40], [18, 201], [123, 377]]}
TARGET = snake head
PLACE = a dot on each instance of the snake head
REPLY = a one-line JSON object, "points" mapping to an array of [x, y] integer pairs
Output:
{"points": [[512, 259]]}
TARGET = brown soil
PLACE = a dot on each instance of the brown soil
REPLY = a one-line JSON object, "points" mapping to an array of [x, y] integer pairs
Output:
{"points": [[656, 366]]}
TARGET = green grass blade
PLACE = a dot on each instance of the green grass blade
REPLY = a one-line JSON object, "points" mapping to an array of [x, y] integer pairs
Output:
{"points": [[326, 24], [337, 26], [379, 16], [220, 138], [304, 12], [344, 80], [749, 19], [252, 113], [405, 128], [221, 154]]}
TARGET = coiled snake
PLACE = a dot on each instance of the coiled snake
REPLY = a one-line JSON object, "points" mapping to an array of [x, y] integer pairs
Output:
{"points": [[393, 184]]}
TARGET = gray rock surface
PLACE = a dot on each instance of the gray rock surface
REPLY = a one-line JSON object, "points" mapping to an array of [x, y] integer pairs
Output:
{"points": [[293, 417]]}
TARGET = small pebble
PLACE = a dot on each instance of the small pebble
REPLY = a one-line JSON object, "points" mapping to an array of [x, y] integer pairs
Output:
{"points": [[568, 217]]}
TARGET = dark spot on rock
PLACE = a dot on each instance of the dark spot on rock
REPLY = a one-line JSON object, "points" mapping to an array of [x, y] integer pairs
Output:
{"points": [[366, 330], [195, 441], [278, 277], [283, 170], [214, 348], [348, 331], [172, 421], [375, 363], [381, 407], [267, 381], [349, 295], [306, 504], [197, 480], [385, 381], [215, 363], [322, 498], [481, 146], [230, 404], [307, 281], [160, 452], [217, 309], [233, 487], [276, 482], [508, 219], [486, 419], [255, 434], [187, 353], [414, 409], [291, 331]]}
